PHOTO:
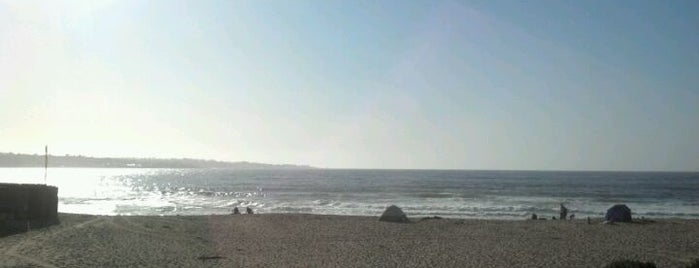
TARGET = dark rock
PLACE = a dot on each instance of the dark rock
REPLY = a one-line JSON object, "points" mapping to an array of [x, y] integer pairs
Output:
{"points": [[249, 210], [394, 214], [534, 216], [618, 213]]}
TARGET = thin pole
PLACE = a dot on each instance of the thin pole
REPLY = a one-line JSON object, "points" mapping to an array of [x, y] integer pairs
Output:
{"points": [[46, 162]]}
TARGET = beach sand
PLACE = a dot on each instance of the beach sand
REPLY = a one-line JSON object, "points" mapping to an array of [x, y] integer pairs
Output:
{"points": [[294, 240]]}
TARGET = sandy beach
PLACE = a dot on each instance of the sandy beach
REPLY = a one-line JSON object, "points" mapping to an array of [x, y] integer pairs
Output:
{"points": [[297, 240]]}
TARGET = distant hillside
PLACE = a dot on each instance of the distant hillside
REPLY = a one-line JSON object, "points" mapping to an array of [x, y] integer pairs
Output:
{"points": [[27, 160]]}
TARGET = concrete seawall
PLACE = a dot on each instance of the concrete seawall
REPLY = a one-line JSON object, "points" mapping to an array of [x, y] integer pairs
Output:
{"points": [[27, 206]]}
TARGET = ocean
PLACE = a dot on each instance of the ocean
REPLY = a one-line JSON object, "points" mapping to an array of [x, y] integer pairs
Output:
{"points": [[445, 193]]}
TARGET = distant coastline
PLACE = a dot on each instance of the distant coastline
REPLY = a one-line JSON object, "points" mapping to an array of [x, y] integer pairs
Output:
{"points": [[36, 160]]}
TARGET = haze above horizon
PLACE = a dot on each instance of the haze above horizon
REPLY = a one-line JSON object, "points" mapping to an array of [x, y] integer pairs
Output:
{"points": [[562, 85]]}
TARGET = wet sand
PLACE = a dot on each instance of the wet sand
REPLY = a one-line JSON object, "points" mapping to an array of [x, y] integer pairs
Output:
{"points": [[297, 240]]}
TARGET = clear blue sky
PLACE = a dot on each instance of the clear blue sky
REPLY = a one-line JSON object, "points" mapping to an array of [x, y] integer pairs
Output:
{"points": [[357, 84]]}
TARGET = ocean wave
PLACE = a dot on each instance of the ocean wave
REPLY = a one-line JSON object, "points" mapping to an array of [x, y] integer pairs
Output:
{"points": [[288, 209], [435, 195], [669, 214]]}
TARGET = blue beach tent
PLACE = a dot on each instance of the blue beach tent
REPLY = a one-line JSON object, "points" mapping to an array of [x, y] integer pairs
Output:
{"points": [[618, 213]]}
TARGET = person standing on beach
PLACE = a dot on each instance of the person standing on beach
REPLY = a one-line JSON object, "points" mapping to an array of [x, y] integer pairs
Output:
{"points": [[564, 212]]}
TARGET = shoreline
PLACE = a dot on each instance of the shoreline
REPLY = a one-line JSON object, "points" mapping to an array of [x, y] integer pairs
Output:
{"points": [[416, 216], [413, 217], [310, 240]]}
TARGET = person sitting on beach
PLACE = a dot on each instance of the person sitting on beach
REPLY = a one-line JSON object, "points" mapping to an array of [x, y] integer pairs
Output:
{"points": [[249, 210], [572, 216], [236, 211], [564, 212], [534, 216]]}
